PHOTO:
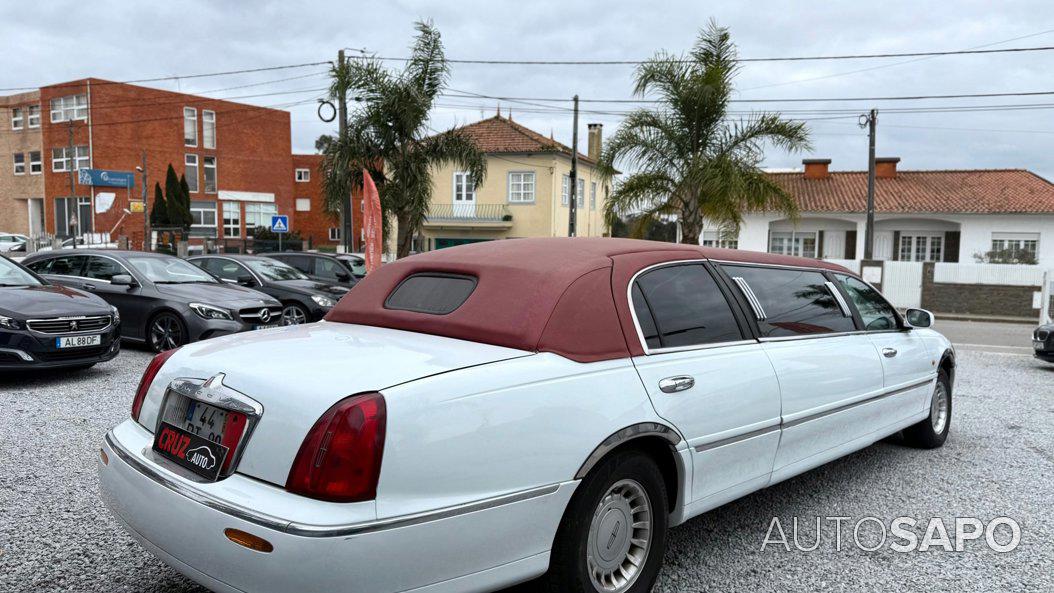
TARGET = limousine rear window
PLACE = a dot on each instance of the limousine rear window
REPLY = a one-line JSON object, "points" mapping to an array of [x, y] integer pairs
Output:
{"points": [[432, 293], [795, 302], [686, 308]]}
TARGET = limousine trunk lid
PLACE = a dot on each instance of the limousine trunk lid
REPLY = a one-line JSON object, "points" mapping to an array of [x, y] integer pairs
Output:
{"points": [[297, 373]]}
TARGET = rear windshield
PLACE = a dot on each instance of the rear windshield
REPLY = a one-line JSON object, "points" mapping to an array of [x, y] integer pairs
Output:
{"points": [[435, 294]]}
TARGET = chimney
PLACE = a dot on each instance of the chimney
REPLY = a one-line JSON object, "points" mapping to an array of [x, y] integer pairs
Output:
{"points": [[816, 168], [886, 167], [596, 133]]}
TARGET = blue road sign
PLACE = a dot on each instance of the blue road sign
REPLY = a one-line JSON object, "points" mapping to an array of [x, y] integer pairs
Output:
{"points": [[104, 178], [280, 224]]}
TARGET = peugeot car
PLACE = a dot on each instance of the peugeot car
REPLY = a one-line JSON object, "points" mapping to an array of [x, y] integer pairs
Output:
{"points": [[474, 417], [303, 300], [164, 301], [1043, 342], [43, 325]]}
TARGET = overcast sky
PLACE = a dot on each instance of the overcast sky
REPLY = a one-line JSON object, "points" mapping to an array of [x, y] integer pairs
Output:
{"points": [[59, 41]]}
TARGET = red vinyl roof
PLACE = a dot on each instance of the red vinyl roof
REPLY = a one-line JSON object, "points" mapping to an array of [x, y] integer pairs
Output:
{"points": [[982, 191], [559, 295]]}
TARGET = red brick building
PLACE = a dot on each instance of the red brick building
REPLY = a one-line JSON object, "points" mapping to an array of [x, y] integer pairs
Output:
{"points": [[310, 219], [236, 158]]}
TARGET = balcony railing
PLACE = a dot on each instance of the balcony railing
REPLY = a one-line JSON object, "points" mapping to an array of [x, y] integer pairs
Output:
{"points": [[468, 213]]}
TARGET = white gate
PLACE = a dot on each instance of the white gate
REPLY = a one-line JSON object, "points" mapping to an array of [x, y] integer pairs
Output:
{"points": [[902, 283]]}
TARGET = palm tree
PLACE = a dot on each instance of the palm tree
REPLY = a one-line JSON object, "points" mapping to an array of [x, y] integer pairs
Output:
{"points": [[690, 160], [388, 135]]}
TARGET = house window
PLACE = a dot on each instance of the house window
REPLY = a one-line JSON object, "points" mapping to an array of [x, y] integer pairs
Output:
{"points": [[20, 163], [592, 195], [334, 233], [258, 215], [34, 116], [464, 187], [521, 187], [60, 158], [190, 126], [17, 118], [72, 216], [36, 166], [303, 175], [208, 128], [303, 204], [715, 239], [209, 169], [565, 190], [203, 218], [1015, 246], [190, 162], [793, 243], [581, 193], [921, 247], [232, 219], [69, 108]]}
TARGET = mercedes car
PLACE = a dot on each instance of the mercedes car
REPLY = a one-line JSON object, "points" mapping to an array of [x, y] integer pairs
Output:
{"points": [[164, 301], [474, 417]]}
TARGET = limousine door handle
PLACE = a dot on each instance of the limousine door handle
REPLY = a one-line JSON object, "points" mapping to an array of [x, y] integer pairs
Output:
{"points": [[676, 384], [889, 352]]}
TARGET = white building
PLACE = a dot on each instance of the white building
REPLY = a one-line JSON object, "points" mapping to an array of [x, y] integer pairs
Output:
{"points": [[941, 215]]}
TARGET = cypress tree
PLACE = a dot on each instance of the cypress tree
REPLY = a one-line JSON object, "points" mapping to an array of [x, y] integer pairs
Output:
{"points": [[174, 199], [159, 211], [185, 191]]}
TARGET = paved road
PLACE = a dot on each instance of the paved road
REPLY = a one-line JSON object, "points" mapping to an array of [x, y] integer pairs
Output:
{"points": [[55, 535], [986, 336]]}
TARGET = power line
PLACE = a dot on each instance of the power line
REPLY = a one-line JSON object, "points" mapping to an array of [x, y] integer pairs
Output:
{"points": [[786, 100], [766, 59], [165, 78]]}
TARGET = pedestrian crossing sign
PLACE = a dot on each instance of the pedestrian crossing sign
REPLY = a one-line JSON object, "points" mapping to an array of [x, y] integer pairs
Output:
{"points": [[280, 224]]}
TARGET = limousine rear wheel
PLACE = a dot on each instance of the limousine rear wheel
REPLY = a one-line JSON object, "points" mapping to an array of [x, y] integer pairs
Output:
{"points": [[931, 432], [613, 534]]}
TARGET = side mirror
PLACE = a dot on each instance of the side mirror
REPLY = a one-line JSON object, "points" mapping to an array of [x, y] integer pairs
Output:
{"points": [[123, 280], [918, 318], [246, 280]]}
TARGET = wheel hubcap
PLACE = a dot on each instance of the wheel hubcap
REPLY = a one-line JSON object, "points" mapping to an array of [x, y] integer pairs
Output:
{"points": [[939, 408], [166, 333], [292, 315], [619, 537]]}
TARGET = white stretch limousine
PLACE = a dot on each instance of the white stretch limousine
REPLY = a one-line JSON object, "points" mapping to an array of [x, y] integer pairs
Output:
{"points": [[475, 417]]}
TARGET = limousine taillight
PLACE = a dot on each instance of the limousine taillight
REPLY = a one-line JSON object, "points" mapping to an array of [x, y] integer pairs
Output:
{"points": [[340, 458], [151, 371]]}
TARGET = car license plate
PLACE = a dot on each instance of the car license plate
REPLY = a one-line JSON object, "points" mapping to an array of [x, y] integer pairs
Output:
{"points": [[190, 451], [1038, 345], [266, 326], [77, 341]]}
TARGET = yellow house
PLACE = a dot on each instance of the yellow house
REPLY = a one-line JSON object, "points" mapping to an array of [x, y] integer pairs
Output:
{"points": [[525, 193]]}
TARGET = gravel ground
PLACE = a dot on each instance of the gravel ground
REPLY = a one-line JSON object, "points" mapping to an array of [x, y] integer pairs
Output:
{"points": [[55, 535]]}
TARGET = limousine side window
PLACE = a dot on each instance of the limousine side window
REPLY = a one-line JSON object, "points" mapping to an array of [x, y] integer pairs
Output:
{"points": [[681, 305], [795, 302], [877, 314]]}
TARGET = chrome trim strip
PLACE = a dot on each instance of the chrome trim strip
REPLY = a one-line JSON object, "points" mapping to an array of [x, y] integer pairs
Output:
{"points": [[737, 438], [633, 311], [876, 397], [627, 434], [813, 336], [105, 328], [724, 262], [698, 346], [19, 353], [838, 298], [748, 292], [309, 530]]}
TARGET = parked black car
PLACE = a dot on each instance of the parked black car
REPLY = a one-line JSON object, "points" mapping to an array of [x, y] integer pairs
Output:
{"points": [[321, 267], [164, 301], [355, 262], [47, 326], [303, 300], [1043, 342]]}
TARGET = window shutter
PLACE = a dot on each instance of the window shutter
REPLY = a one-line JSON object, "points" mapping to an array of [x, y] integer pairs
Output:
{"points": [[951, 246], [896, 245], [850, 245]]}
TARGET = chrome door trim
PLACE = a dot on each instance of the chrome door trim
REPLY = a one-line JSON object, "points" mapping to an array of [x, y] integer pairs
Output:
{"points": [[627, 434], [812, 336], [849, 406], [737, 438], [311, 530], [844, 306], [748, 292], [676, 384]]}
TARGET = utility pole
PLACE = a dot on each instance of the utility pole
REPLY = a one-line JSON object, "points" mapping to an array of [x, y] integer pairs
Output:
{"points": [[869, 231], [71, 160], [342, 129], [146, 209], [572, 224]]}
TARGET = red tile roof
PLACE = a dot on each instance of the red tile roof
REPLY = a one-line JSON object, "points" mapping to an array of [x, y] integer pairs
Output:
{"points": [[499, 134], [981, 191]]}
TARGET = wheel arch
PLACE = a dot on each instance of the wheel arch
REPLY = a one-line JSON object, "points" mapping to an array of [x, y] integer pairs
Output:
{"points": [[947, 364], [159, 310], [656, 440]]}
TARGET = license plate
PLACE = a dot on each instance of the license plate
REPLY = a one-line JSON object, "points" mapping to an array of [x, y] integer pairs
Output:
{"points": [[190, 451], [77, 341], [1038, 345], [211, 426], [267, 326]]}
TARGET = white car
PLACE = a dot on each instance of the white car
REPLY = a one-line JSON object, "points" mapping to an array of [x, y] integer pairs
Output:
{"points": [[475, 417], [12, 242]]}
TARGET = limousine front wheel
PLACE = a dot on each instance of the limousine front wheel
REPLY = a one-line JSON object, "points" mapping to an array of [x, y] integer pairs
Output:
{"points": [[933, 431], [613, 534]]}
